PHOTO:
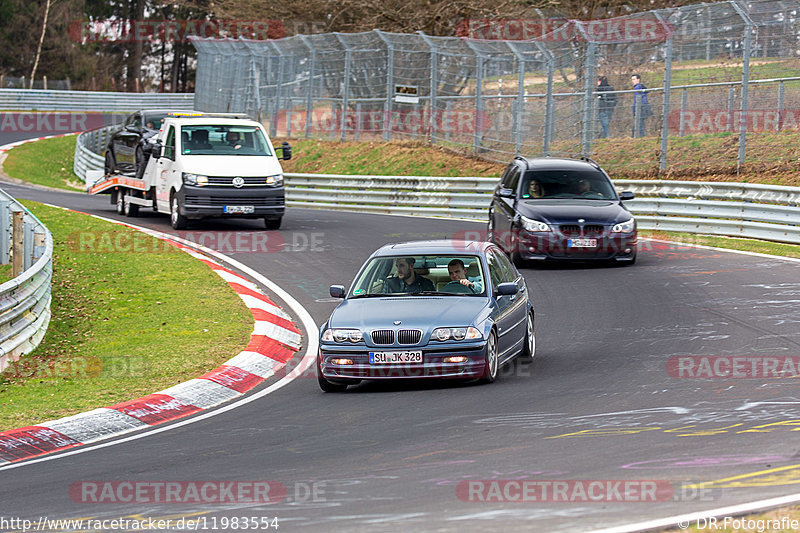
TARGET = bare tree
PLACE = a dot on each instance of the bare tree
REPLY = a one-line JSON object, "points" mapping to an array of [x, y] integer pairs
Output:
{"points": [[41, 40]]}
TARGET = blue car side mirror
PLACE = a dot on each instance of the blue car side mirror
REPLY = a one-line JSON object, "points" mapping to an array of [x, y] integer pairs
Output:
{"points": [[337, 291], [507, 289], [626, 195]]}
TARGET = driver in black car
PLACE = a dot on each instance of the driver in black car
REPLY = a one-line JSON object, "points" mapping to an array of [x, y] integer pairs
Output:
{"points": [[407, 280]]}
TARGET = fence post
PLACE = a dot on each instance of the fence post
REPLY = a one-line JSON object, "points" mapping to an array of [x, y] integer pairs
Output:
{"points": [[27, 245], [17, 235], [781, 90], [588, 101], [387, 103], [348, 53], [358, 121], [5, 228], [684, 103], [476, 138], [662, 158], [520, 107], [748, 39], [434, 58], [310, 84]]}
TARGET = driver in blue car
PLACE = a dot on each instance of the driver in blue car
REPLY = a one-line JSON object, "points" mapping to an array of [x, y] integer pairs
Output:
{"points": [[458, 273], [407, 280]]}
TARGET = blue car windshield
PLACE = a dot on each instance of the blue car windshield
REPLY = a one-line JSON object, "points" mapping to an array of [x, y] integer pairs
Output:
{"points": [[553, 184], [417, 275]]}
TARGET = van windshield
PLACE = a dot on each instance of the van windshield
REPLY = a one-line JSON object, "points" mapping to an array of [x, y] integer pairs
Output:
{"points": [[223, 140]]}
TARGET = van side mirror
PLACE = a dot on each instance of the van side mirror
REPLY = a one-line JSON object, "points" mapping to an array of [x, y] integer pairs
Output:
{"points": [[156, 150], [626, 195], [286, 151]]}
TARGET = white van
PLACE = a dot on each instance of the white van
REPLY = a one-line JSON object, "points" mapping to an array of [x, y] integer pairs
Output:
{"points": [[213, 166]]}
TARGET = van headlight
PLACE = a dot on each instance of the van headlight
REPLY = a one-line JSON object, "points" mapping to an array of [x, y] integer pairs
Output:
{"points": [[195, 179], [275, 180], [533, 225], [624, 227]]}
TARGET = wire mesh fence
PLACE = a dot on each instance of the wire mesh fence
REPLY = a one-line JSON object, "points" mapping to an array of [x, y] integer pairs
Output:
{"points": [[727, 71]]}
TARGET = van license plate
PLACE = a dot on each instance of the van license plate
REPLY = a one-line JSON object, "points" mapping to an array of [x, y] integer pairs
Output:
{"points": [[239, 209]]}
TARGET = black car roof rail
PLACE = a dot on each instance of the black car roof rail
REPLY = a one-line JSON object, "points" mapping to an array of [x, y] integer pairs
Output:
{"points": [[590, 161]]}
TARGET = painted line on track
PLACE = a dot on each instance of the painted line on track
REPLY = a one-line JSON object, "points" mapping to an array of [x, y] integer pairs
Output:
{"points": [[274, 341]]}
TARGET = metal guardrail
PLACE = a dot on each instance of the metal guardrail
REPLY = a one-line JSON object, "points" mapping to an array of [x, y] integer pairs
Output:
{"points": [[45, 100], [24, 300], [757, 211], [88, 149]]}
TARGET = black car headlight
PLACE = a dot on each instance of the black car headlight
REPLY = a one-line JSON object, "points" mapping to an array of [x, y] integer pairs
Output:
{"points": [[342, 335], [624, 227], [533, 225], [195, 179], [456, 334]]}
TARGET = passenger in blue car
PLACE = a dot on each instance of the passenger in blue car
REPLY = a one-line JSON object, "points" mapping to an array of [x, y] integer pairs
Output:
{"points": [[407, 280]]}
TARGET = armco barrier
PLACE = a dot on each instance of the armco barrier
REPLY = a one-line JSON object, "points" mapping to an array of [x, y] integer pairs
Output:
{"points": [[89, 149], [769, 212], [43, 100], [24, 300]]}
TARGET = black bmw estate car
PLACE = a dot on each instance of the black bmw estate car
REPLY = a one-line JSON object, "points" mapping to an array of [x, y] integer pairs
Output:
{"points": [[564, 209]]}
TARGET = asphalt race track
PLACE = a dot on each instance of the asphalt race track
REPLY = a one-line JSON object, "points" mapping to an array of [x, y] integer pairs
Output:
{"points": [[597, 404]]}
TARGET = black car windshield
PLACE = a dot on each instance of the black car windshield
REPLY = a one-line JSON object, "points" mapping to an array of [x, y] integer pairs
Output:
{"points": [[421, 275], [153, 121], [551, 184], [223, 140]]}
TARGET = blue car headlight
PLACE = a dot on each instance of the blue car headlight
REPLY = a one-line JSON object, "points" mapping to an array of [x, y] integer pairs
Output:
{"points": [[533, 225], [624, 227], [342, 335], [456, 334]]}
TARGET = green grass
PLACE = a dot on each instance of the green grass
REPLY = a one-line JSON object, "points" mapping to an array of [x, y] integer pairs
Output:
{"points": [[47, 162], [732, 243], [123, 325]]}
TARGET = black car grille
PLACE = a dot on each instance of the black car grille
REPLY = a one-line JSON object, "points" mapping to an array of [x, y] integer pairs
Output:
{"points": [[382, 336], [570, 229], [258, 201], [590, 230], [227, 181], [409, 336]]}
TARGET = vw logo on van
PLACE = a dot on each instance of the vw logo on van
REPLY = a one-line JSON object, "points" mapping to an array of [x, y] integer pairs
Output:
{"points": [[238, 182]]}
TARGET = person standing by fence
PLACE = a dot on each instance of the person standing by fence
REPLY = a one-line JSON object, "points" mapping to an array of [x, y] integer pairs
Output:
{"points": [[606, 104], [641, 107]]}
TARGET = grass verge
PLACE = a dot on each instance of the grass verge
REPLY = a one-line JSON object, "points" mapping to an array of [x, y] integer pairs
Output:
{"points": [[124, 324], [47, 162], [731, 243]]}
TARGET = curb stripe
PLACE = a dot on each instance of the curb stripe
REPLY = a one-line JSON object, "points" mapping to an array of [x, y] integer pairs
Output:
{"points": [[274, 341]]}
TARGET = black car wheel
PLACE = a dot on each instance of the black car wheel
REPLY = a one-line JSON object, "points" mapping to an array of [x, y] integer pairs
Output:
{"points": [[140, 162], [514, 254], [490, 367], [111, 163], [529, 348], [273, 223]]}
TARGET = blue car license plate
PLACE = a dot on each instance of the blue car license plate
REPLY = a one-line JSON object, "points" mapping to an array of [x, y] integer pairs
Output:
{"points": [[389, 358], [581, 243]]}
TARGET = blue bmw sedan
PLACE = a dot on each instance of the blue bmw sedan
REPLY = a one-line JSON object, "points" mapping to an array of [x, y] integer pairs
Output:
{"points": [[427, 309]]}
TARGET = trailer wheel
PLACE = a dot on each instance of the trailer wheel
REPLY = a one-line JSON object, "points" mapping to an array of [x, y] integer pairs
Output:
{"points": [[130, 209], [121, 201], [177, 220]]}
